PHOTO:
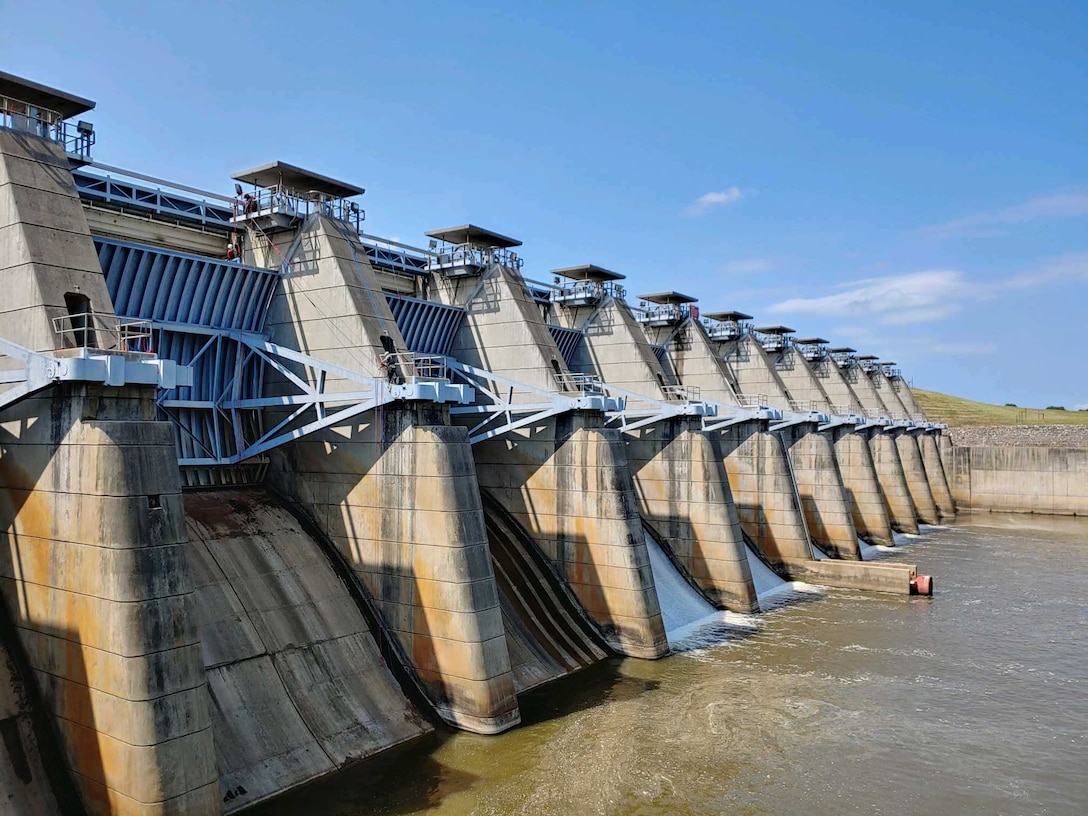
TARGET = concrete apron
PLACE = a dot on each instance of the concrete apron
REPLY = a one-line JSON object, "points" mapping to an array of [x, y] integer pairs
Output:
{"points": [[769, 512], [95, 576], [824, 499], [893, 482], [917, 482], [684, 497], [870, 513], [568, 484], [398, 496], [938, 483]]}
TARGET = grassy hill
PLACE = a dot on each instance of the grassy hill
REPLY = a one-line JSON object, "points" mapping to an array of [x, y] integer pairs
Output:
{"points": [[958, 412]]}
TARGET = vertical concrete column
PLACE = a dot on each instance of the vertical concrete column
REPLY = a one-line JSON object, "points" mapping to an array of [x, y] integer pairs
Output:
{"points": [[938, 484], [763, 491], [944, 446], [823, 498], [684, 496], [568, 483], [94, 572], [400, 500], [871, 519], [893, 483], [917, 482]]}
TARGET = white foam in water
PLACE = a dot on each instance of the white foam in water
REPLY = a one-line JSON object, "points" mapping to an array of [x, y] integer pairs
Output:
{"points": [[771, 590], [686, 613]]}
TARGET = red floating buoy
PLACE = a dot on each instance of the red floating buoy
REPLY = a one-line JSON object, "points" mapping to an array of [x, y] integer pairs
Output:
{"points": [[922, 585]]}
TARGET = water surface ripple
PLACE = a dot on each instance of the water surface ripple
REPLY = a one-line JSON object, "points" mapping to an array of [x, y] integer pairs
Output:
{"points": [[973, 702]]}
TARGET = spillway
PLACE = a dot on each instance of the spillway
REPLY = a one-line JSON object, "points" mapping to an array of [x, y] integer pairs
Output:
{"points": [[547, 632], [689, 618]]}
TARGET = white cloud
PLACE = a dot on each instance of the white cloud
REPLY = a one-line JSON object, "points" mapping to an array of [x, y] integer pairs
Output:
{"points": [[708, 201], [1059, 205], [917, 297], [749, 266]]}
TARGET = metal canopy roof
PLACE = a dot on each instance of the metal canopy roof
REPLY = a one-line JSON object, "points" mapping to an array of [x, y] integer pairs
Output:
{"points": [[281, 174], [588, 272], [471, 234], [842, 350], [810, 341], [66, 104], [668, 297], [774, 329], [887, 362], [868, 357], [727, 315]]}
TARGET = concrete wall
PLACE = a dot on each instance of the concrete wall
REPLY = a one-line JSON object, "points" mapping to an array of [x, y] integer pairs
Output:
{"points": [[394, 489], [1021, 479], [504, 331], [935, 473], [870, 512], [94, 572], [824, 499], [763, 490], [678, 472], [893, 482], [397, 494], [910, 453], [92, 547], [298, 686], [568, 484], [684, 498]]}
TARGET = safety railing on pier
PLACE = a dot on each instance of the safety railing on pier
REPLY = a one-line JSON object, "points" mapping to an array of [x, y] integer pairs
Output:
{"points": [[296, 206], [450, 259], [78, 138], [409, 367], [752, 400], [574, 382], [682, 393], [666, 315], [98, 330]]}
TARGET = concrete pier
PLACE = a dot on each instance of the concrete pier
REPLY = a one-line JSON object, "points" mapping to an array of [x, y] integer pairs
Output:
{"points": [[935, 473], [678, 469], [823, 495], [869, 489], [898, 476], [395, 490], [92, 562], [567, 480]]}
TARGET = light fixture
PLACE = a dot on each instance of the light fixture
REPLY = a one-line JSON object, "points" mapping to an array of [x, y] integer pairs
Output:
{"points": [[237, 189], [85, 128]]}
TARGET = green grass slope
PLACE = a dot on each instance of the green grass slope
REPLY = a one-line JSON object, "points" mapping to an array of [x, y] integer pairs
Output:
{"points": [[958, 412]]}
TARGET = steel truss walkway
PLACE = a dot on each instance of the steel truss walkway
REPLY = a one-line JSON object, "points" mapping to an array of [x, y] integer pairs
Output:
{"points": [[37, 371], [243, 362]]}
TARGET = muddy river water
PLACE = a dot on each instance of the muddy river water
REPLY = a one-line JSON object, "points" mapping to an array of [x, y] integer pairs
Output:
{"points": [[972, 702]]}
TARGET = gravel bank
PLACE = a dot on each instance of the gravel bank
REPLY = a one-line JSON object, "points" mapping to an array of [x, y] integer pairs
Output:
{"points": [[1045, 436]]}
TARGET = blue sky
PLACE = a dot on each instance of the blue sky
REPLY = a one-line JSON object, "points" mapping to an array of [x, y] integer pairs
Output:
{"points": [[907, 178]]}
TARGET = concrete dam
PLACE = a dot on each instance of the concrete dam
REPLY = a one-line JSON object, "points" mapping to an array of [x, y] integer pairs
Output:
{"points": [[277, 495]]}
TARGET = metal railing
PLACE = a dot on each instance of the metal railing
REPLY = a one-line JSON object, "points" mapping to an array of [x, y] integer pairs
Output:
{"points": [[587, 291], [664, 315], [579, 383], [26, 118], [99, 330], [468, 256], [682, 393], [723, 329], [406, 366], [296, 205], [752, 400], [804, 406]]}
